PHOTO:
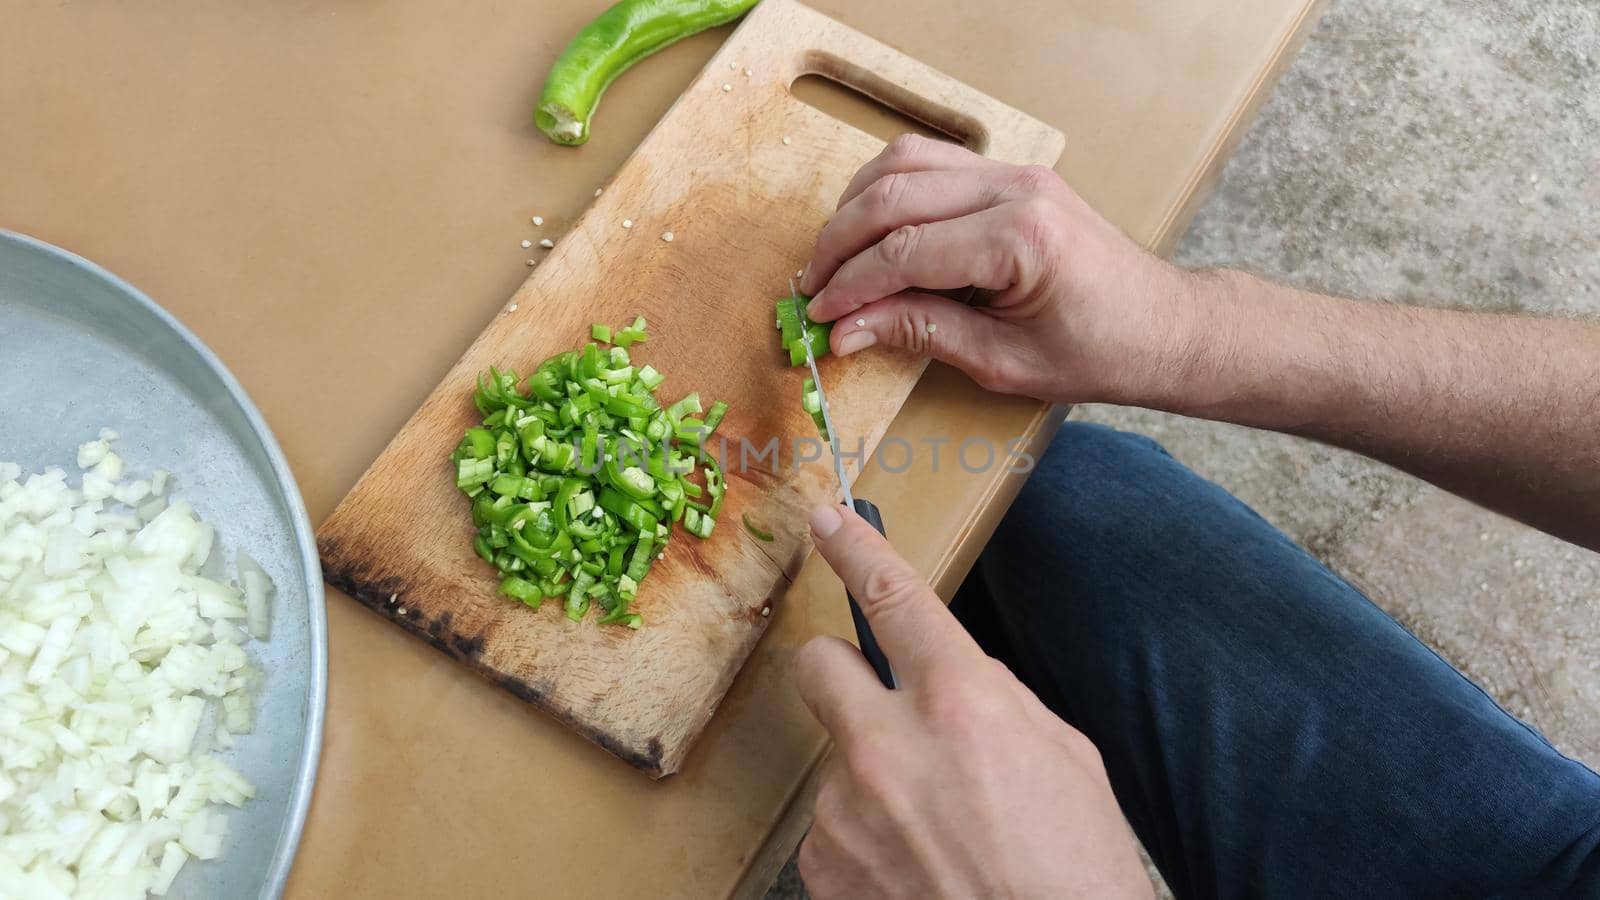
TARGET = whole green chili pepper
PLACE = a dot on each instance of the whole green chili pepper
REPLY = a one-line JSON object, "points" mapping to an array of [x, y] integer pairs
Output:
{"points": [[608, 46]]}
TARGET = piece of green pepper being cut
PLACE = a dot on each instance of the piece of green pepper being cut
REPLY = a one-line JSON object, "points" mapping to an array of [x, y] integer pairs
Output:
{"points": [[608, 46], [795, 330], [811, 402]]}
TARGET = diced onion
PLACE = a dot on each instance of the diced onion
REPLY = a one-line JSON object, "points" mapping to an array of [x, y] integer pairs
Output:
{"points": [[257, 596], [119, 665]]}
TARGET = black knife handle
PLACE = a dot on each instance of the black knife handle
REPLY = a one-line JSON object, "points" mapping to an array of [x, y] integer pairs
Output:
{"points": [[864, 636]]}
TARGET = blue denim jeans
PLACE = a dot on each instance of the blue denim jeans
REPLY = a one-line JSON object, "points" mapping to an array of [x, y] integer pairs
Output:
{"points": [[1267, 730]]}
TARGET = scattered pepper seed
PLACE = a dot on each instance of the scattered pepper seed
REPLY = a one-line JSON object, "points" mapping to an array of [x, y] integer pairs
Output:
{"points": [[726, 87], [538, 220], [598, 191], [393, 597], [547, 243], [786, 140], [511, 308], [766, 611], [666, 236], [748, 73], [932, 327], [533, 262], [733, 65], [402, 610], [861, 321], [527, 244], [799, 273], [627, 223]]}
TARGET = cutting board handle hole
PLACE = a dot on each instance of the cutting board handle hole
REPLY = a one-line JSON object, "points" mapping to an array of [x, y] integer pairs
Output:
{"points": [[872, 103]]}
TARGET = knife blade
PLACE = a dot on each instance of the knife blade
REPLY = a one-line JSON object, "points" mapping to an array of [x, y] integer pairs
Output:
{"points": [[863, 507], [822, 397]]}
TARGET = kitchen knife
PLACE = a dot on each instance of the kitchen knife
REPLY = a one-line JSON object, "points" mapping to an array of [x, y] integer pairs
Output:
{"points": [[863, 507]]}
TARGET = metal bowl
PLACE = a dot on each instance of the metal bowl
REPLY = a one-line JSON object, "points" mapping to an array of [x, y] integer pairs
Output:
{"points": [[81, 350]]}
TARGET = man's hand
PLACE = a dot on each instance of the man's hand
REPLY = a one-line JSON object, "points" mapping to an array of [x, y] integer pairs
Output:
{"points": [[959, 784], [1499, 409], [1079, 312]]}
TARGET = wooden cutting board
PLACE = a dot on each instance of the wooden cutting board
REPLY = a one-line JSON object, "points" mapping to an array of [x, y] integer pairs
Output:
{"points": [[744, 207]]}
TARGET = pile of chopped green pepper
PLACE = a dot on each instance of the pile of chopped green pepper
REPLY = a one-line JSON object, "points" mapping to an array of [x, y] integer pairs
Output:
{"points": [[576, 482]]}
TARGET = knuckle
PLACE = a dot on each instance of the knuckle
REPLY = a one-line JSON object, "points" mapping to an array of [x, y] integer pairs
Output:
{"points": [[1034, 242], [1082, 749], [964, 727], [811, 653], [971, 699], [1033, 180], [811, 664], [957, 705], [888, 192], [905, 147], [995, 672], [872, 774], [890, 587], [1039, 223], [808, 662], [899, 247], [993, 378], [1001, 375]]}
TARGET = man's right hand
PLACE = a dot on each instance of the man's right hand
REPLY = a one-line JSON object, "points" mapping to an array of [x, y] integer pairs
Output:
{"points": [[1079, 312], [959, 784]]}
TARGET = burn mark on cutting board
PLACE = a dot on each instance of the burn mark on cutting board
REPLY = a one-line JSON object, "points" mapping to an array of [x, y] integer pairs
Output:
{"points": [[374, 592], [439, 627], [647, 759], [464, 647], [521, 688]]}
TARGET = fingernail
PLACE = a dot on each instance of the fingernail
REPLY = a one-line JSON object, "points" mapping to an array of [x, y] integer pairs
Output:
{"points": [[856, 340], [825, 520]]}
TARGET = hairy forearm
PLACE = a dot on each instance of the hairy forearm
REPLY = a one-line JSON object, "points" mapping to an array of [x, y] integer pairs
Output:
{"points": [[1503, 410]]}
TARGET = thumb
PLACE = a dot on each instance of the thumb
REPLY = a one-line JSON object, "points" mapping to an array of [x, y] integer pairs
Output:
{"points": [[928, 325], [910, 622]]}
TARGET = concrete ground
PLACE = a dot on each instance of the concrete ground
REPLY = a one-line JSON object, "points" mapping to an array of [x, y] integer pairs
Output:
{"points": [[1439, 153]]}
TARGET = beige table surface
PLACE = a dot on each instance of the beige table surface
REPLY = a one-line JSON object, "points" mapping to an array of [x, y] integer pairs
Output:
{"points": [[332, 195]]}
